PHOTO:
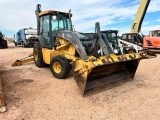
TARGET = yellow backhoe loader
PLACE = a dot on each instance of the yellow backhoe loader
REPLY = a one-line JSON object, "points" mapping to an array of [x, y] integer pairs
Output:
{"points": [[89, 55], [134, 36]]}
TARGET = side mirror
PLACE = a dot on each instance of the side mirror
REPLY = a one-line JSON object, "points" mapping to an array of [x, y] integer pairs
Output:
{"points": [[73, 27], [54, 18]]}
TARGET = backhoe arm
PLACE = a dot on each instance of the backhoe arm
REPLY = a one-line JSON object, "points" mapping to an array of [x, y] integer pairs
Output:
{"points": [[136, 26]]}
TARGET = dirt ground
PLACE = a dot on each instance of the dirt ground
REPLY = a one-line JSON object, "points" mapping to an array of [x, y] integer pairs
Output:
{"points": [[33, 93]]}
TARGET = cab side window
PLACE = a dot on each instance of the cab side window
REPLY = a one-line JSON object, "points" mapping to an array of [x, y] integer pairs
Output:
{"points": [[44, 28]]}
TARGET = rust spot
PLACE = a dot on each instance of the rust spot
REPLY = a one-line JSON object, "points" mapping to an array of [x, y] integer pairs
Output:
{"points": [[80, 79], [132, 57], [112, 60], [74, 65], [124, 58], [120, 59], [75, 73], [104, 61]]}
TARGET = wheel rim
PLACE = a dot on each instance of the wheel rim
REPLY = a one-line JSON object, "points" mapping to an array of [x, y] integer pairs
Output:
{"points": [[57, 67], [130, 52], [36, 55]]}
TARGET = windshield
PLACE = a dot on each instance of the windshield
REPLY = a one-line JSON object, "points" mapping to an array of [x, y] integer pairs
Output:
{"points": [[60, 22], [158, 34], [111, 36]]}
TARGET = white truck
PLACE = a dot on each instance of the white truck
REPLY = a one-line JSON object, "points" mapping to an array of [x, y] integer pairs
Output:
{"points": [[26, 37]]}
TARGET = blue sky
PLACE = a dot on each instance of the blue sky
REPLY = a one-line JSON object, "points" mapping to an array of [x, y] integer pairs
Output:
{"points": [[112, 14]]}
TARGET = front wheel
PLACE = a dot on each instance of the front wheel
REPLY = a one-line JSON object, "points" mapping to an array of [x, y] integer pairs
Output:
{"points": [[60, 67], [129, 50]]}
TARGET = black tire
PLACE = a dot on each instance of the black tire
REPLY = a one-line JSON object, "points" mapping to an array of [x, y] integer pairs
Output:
{"points": [[38, 57], [65, 67], [70, 66], [24, 46], [15, 44], [129, 50]]}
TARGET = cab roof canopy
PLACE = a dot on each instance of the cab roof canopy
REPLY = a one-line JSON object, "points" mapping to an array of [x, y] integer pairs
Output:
{"points": [[51, 12]]}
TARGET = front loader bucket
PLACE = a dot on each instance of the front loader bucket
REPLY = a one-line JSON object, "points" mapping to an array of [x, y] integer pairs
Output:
{"points": [[94, 76]]}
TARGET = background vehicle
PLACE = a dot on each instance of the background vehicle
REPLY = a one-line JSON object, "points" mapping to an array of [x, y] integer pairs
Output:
{"points": [[154, 33], [152, 41], [25, 37], [3, 42], [134, 36], [119, 45]]}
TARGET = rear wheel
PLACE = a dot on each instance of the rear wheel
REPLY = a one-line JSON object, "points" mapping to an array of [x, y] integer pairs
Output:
{"points": [[38, 57], [23, 45], [60, 67], [131, 51], [15, 44]]}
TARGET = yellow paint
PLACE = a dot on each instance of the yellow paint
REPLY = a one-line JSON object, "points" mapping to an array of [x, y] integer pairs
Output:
{"points": [[49, 54], [46, 12], [63, 48], [57, 67]]}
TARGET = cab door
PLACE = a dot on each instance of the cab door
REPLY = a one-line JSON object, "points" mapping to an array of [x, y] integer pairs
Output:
{"points": [[45, 29]]}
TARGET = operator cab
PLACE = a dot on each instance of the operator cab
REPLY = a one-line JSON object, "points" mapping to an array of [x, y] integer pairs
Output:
{"points": [[112, 38], [134, 38], [50, 23], [156, 33]]}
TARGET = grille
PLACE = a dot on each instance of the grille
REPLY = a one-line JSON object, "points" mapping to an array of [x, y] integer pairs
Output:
{"points": [[149, 43]]}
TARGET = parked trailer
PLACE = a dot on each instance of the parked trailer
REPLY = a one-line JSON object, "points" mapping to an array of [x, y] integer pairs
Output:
{"points": [[25, 37]]}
